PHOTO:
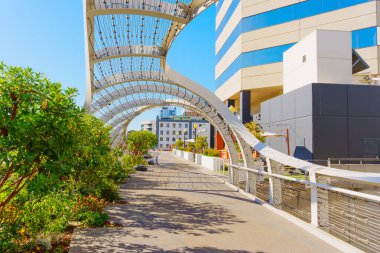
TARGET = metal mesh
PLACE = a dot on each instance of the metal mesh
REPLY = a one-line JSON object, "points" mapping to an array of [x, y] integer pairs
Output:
{"points": [[351, 219]]}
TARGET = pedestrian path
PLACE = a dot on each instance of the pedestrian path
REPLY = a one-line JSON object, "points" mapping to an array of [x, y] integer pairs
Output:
{"points": [[178, 207]]}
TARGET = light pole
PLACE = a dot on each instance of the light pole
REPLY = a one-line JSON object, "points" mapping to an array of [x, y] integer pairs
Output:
{"points": [[184, 138], [195, 126], [176, 134]]}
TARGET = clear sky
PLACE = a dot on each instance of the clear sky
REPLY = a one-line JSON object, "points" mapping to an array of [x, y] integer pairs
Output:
{"points": [[47, 35]]}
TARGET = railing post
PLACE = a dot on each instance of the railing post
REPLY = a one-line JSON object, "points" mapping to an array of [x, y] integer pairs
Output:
{"points": [[246, 181], [270, 181], [314, 199]]}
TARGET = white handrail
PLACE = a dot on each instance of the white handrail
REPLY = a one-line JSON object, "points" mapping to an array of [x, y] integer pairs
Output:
{"points": [[324, 186]]}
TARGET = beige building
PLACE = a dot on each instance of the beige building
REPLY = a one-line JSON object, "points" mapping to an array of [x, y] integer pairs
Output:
{"points": [[253, 35]]}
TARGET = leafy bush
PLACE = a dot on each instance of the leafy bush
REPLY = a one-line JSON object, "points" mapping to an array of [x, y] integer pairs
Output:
{"points": [[201, 143], [52, 155], [211, 152], [93, 218]]}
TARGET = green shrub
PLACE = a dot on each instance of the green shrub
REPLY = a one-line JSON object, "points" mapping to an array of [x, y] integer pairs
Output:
{"points": [[93, 218], [211, 152]]}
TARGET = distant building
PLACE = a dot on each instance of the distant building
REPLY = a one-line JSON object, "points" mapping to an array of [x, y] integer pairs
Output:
{"points": [[169, 130], [167, 112], [149, 125]]}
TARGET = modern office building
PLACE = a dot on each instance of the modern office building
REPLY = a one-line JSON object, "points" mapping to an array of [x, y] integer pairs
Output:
{"points": [[322, 114], [252, 36], [149, 125]]}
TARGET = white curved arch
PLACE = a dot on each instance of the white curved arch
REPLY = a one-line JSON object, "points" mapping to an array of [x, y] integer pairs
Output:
{"points": [[220, 126], [128, 51], [172, 76], [161, 9], [134, 76]]}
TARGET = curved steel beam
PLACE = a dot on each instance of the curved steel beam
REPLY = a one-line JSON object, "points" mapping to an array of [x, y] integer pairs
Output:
{"points": [[163, 88], [166, 10], [128, 51], [134, 76]]}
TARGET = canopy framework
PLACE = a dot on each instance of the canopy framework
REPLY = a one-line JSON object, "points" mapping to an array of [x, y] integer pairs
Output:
{"points": [[126, 46]]}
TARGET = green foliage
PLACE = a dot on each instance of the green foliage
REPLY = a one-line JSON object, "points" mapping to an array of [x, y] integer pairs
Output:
{"points": [[52, 155], [211, 152], [93, 218], [201, 143], [179, 144], [129, 162], [139, 142], [50, 213], [255, 130]]}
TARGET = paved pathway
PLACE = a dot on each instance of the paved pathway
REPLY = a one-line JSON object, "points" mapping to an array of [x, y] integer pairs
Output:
{"points": [[177, 207]]}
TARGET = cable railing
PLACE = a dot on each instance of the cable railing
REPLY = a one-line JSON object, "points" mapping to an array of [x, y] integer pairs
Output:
{"points": [[352, 216]]}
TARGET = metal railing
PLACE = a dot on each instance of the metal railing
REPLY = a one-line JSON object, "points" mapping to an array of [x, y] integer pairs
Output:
{"points": [[351, 216], [349, 161]]}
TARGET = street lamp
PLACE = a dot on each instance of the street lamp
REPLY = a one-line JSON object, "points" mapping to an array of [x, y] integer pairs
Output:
{"points": [[184, 138], [195, 126]]}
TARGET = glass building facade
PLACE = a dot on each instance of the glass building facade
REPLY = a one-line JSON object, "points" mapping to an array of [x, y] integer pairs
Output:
{"points": [[361, 38]]}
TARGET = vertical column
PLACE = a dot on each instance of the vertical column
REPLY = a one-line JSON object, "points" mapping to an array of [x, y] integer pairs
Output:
{"points": [[212, 136], [314, 200], [230, 102], [245, 106]]}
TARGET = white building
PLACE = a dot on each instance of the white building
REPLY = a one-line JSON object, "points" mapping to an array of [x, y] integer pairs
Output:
{"points": [[149, 125], [169, 130]]}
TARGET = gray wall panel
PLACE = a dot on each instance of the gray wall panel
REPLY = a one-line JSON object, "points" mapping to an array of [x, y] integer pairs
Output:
{"points": [[330, 137], [329, 99], [288, 109], [364, 137], [364, 102], [304, 106]]}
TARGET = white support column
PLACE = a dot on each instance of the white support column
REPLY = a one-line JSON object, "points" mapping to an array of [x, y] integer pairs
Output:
{"points": [[247, 181], [270, 181], [314, 199]]}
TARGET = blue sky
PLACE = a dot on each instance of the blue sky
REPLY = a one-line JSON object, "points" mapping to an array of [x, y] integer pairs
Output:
{"points": [[48, 36]]}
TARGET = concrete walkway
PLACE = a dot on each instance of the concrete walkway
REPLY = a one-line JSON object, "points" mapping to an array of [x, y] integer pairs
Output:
{"points": [[177, 207]]}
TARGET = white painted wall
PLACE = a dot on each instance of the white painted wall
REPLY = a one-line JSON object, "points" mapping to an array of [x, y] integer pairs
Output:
{"points": [[324, 56]]}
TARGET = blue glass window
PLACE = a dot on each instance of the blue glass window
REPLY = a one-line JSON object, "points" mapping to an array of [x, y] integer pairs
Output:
{"points": [[227, 16], [364, 37]]}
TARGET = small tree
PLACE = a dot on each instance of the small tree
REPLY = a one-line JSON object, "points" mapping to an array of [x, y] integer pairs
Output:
{"points": [[139, 142], [256, 130], [179, 144], [201, 143]]}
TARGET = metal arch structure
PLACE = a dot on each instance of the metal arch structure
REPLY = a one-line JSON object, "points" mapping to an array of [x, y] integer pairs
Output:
{"points": [[185, 100], [121, 39], [224, 130]]}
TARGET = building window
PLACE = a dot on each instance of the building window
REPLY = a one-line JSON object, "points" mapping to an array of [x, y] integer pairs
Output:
{"points": [[161, 124], [160, 145], [167, 145], [173, 139], [161, 132], [161, 139], [180, 125], [185, 125], [167, 132], [173, 132], [174, 125], [179, 133], [167, 138], [167, 124]]}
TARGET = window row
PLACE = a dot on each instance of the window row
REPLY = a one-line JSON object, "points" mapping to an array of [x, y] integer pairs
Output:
{"points": [[174, 125], [168, 139], [179, 133]]}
